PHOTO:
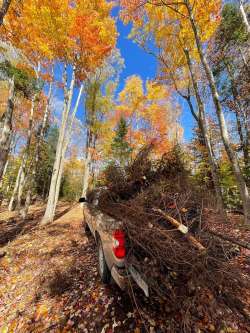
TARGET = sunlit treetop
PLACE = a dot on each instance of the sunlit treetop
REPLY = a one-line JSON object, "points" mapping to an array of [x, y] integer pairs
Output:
{"points": [[80, 32], [163, 22], [149, 113]]}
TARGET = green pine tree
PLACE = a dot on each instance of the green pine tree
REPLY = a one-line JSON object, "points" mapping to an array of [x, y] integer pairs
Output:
{"points": [[121, 149]]}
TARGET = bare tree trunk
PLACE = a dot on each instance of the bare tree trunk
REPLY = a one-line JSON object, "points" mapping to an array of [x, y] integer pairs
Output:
{"points": [[244, 60], [20, 180], [86, 174], [4, 10], [65, 146], [7, 162], [17, 183], [44, 125], [89, 144], [49, 213], [4, 172], [203, 127], [61, 149], [6, 128], [222, 123], [244, 16], [26, 154], [239, 113], [31, 179]]}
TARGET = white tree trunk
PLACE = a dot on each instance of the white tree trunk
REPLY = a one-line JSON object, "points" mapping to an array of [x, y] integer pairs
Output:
{"points": [[20, 180], [244, 16], [61, 150], [66, 144], [6, 128], [203, 126], [89, 145], [12, 149], [222, 123], [17, 183], [4, 172], [86, 174], [34, 163]]}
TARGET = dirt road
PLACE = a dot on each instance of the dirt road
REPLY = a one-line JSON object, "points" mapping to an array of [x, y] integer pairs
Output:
{"points": [[49, 281]]}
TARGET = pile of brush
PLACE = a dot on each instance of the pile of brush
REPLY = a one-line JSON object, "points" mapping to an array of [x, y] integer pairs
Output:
{"points": [[189, 270]]}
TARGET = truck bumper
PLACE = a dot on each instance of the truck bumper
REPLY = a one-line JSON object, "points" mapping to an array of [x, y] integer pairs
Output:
{"points": [[119, 276]]}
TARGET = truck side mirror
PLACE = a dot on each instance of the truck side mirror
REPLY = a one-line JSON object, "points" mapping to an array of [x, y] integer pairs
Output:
{"points": [[82, 200]]}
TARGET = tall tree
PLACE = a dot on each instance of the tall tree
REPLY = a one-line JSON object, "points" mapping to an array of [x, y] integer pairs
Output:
{"points": [[191, 18], [78, 38], [99, 101], [19, 82], [149, 113], [232, 76], [121, 150], [84, 61], [204, 131], [6, 128], [174, 68]]}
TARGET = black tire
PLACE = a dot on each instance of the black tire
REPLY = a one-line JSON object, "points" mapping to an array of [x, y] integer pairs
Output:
{"points": [[104, 271]]}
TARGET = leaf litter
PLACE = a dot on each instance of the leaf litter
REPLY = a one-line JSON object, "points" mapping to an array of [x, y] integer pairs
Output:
{"points": [[49, 283]]}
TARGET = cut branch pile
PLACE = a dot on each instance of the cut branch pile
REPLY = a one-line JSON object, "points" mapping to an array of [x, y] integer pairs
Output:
{"points": [[190, 271]]}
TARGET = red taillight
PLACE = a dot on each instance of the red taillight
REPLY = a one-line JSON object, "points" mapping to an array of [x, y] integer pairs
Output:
{"points": [[119, 244]]}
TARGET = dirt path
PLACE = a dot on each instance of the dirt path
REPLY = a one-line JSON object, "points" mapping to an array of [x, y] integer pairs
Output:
{"points": [[49, 282]]}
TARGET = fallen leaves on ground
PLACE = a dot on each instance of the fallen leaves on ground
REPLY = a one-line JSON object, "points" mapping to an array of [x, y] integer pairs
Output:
{"points": [[49, 282]]}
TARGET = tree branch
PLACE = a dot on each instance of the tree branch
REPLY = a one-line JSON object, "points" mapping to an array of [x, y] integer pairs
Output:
{"points": [[4, 9]]}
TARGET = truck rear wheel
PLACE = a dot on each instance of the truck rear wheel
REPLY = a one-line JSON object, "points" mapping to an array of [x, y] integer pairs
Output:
{"points": [[102, 265]]}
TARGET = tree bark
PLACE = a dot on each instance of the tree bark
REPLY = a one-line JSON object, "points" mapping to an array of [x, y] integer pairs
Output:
{"points": [[12, 148], [20, 180], [239, 113], [61, 148], [31, 179], [244, 16], [6, 128], [222, 123], [244, 60], [66, 144], [89, 143], [4, 172], [15, 190], [4, 10], [203, 128], [86, 174]]}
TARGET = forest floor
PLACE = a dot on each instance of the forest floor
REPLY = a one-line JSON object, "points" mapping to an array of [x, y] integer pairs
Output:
{"points": [[49, 280]]}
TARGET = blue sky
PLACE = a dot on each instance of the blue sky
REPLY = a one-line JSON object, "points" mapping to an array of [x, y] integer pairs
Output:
{"points": [[137, 62]]}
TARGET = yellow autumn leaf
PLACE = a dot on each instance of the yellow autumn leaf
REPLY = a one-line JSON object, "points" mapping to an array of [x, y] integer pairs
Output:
{"points": [[41, 311]]}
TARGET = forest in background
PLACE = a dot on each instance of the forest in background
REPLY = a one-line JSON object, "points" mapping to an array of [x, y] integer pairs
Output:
{"points": [[54, 148]]}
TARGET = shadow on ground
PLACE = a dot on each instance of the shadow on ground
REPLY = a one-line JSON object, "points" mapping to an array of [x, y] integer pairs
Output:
{"points": [[88, 304], [11, 228], [51, 276]]}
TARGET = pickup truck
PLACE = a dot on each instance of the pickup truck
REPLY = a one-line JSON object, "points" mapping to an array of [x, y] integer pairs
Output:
{"points": [[110, 239]]}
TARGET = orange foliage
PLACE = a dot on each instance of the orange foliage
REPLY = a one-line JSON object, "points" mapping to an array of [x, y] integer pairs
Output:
{"points": [[150, 116], [81, 32]]}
